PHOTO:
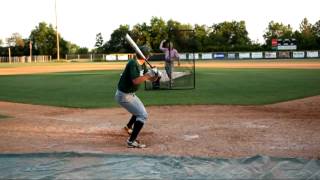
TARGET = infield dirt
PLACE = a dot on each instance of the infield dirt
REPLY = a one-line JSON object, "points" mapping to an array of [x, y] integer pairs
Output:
{"points": [[288, 129]]}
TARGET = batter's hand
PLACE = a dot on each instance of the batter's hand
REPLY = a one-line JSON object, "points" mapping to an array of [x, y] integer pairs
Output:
{"points": [[154, 74], [155, 78]]}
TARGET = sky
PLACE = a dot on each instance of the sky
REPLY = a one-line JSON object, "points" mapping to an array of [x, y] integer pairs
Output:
{"points": [[80, 20]]}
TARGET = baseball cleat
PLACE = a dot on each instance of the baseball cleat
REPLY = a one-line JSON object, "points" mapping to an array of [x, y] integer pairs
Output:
{"points": [[128, 130], [135, 144]]}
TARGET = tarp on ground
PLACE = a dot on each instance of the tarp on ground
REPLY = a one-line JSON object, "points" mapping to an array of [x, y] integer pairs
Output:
{"points": [[111, 166]]}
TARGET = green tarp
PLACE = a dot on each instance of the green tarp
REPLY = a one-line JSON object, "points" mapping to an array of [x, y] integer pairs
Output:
{"points": [[111, 166]]}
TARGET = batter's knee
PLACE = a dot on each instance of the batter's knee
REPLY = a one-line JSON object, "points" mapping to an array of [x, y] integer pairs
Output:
{"points": [[142, 117]]}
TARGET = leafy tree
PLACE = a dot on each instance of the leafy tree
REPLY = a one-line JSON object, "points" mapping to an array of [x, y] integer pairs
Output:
{"points": [[316, 29], [11, 41], [184, 40], [141, 34], [73, 48], [118, 43], [158, 32], [307, 39], [1, 42], [277, 30], [99, 43], [45, 41], [201, 36], [15, 40], [17, 44], [83, 50], [225, 36], [173, 25], [228, 36], [64, 47]]}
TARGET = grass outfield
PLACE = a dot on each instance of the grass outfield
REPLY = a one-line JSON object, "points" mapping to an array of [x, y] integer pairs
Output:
{"points": [[253, 61], [92, 89]]}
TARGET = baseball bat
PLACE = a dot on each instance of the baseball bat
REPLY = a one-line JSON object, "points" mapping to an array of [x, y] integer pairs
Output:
{"points": [[136, 48]]}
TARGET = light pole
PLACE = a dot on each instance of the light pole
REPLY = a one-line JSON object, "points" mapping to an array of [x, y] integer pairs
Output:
{"points": [[30, 47], [9, 52], [9, 42], [58, 48]]}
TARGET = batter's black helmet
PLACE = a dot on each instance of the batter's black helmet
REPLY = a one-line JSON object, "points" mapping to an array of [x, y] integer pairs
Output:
{"points": [[145, 50]]}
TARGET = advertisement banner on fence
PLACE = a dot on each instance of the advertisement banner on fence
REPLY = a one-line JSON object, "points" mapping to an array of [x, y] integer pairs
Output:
{"points": [[298, 54], [287, 44], [218, 56], [270, 55], [196, 56], [289, 47], [312, 54], [256, 55], [183, 56], [122, 57], [244, 55], [206, 55], [284, 54], [111, 57], [231, 55]]}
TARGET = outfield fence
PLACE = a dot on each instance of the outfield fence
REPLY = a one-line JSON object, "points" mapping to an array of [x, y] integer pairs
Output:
{"points": [[99, 57], [24, 59], [255, 55], [267, 55]]}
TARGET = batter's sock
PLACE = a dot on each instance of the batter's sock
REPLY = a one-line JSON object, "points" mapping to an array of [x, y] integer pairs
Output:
{"points": [[136, 130], [131, 121]]}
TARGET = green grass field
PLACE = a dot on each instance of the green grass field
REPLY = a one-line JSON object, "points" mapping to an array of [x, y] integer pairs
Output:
{"points": [[92, 89]]}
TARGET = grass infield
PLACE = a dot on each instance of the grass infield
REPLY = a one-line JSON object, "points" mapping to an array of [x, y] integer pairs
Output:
{"points": [[92, 89]]}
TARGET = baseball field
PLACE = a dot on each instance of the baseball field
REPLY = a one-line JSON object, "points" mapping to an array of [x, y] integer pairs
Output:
{"points": [[238, 109]]}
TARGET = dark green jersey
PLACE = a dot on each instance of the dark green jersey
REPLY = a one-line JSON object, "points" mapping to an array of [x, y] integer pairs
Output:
{"points": [[133, 70]]}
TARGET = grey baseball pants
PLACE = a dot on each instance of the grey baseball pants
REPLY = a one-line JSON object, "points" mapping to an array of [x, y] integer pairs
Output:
{"points": [[132, 104]]}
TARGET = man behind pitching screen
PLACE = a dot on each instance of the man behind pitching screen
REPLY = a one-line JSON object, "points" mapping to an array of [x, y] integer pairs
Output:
{"points": [[171, 54], [134, 74]]}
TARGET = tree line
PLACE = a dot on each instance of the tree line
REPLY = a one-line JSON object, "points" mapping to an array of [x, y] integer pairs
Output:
{"points": [[225, 36], [42, 40]]}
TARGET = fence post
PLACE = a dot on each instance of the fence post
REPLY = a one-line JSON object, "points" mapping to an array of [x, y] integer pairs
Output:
{"points": [[9, 55]]}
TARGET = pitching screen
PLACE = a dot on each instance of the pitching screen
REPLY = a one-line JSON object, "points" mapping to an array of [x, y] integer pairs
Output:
{"points": [[176, 62]]}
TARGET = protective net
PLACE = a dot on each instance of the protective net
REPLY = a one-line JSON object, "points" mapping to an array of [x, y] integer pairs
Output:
{"points": [[176, 63]]}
